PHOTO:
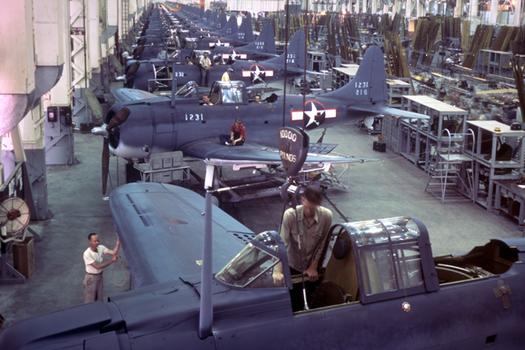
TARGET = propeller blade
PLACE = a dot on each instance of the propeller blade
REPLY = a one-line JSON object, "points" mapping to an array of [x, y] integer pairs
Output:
{"points": [[105, 165], [119, 118]]}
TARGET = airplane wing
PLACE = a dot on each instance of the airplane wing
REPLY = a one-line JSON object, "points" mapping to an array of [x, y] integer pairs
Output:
{"points": [[211, 149], [258, 53], [125, 95], [161, 228], [382, 109]]}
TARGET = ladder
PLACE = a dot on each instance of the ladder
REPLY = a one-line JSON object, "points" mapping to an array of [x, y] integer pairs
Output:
{"points": [[450, 171], [125, 18]]}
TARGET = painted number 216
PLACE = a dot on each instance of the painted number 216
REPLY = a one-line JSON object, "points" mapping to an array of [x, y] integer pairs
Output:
{"points": [[361, 88]]}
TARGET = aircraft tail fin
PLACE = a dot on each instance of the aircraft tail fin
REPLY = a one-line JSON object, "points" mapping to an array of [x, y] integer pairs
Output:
{"points": [[296, 52], [231, 26], [221, 21], [266, 42], [369, 83], [245, 30]]}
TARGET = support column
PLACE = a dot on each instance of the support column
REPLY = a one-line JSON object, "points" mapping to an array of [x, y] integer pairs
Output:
{"points": [[49, 36], [408, 8], [58, 129], [493, 18], [458, 10], [397, 7], [473, 9], [518, 13], [94, 32], [132, 15], [374, 6], [421, 8], [80, 62], [17, 88]]}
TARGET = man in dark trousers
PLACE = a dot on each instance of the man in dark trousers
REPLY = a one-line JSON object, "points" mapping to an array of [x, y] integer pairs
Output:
{"points": [[304, 231], [204, 65]]}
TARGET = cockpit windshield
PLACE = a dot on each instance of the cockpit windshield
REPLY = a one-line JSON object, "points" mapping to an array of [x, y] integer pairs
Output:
{"points": [[232, 94], [253, 266]]}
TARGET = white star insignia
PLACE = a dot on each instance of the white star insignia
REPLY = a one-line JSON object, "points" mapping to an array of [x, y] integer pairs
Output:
{"points": [[256, 74], [311, 115]]}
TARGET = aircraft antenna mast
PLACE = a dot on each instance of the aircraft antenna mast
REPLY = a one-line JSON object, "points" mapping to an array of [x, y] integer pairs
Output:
{"points": [[206, 305]]}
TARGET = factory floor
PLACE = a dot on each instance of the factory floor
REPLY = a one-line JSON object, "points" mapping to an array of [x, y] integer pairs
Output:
{"points": [[390, 186]]}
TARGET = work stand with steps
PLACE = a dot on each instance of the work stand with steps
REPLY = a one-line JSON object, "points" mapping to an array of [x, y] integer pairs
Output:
{"points": [[450, 170], [420, 141]]}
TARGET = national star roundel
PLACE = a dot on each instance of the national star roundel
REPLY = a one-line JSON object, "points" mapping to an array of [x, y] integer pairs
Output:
{"points": [[257, 73], [314, 114]]}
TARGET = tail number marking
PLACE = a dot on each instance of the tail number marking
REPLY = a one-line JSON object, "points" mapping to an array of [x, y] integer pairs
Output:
{"points": [[361, 88]]}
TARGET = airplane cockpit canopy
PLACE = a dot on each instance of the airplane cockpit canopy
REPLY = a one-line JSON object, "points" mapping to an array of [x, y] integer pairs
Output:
{"points": [[393, 257], [228, 92], [190, 89], [253, 266]]}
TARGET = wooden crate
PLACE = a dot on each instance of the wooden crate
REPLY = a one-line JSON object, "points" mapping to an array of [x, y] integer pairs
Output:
{"points": [[24, 256]]}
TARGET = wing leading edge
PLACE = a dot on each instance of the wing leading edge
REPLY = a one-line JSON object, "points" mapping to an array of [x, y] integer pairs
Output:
{"points": [[161, 228]]}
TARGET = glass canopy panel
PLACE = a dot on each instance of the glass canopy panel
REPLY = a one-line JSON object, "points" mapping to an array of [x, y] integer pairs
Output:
{"points": [[372, 232], [253, 266]]}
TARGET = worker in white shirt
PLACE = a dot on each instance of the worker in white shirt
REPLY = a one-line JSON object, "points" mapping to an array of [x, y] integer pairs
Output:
{"points": [[94, 266], [204, 65]]}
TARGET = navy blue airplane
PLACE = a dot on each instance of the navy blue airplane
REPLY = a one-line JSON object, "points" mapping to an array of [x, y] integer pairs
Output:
{"points": [[142, 123], [379, 288], [251, 72]]}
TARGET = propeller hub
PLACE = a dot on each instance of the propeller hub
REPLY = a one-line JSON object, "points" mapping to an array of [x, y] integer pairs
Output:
{"points": [[100, 130]]}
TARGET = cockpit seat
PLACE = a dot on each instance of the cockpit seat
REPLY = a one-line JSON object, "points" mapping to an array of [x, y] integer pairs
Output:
{"points": [[341, 268], [326, 294]]}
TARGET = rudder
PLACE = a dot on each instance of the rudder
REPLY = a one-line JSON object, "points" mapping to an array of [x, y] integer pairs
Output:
{"points": [[296, 51], [245, 30], [369, 83], [265, 42]]}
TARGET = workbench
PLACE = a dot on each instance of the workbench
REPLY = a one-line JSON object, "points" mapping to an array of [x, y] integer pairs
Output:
{"points": [[512, 193]]}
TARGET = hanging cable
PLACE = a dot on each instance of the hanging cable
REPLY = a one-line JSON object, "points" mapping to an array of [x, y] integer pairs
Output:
{"points": [[306, 37], [286, 24]]}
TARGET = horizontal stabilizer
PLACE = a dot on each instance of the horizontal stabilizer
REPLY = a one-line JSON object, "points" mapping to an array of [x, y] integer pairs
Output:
{"points": [[385, 110], [125, 95]]}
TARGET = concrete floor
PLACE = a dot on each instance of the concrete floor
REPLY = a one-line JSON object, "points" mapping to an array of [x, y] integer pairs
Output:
{"points": [[389, 187]]}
